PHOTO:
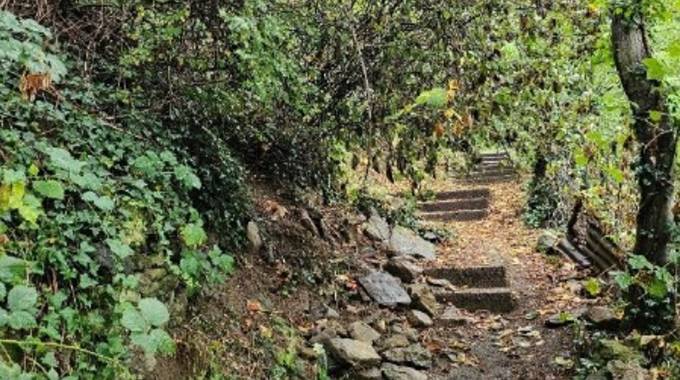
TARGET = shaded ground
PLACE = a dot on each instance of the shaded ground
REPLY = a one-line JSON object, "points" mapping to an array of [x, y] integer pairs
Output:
{"points": [[255, 326], [514, 345]]}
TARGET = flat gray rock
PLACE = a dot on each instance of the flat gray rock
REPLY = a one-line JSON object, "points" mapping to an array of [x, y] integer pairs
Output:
{"points": [[385, 289], [423, 299], [377, 228], [363, 332], [413, 355], [369, 374], [353, 352], [395, 372], [419, 319], [403, 268], [406, 242]]}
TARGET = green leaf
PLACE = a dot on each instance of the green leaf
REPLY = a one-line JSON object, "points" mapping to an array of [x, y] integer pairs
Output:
{"points": [[30, 209], [162, 341], [657, 288], [674, 49], [87, 181], [193, 235], [592, 286], [638, 262], [12, 269], [21, 298], [656, 70], [655, 116], [187, 177], [624, 280], [134, 321], [155, 341], [154, 311], [103, 203], [62, 159], [21, 320], [119, 248], [49, 189], [3, 292], [4, 317], [435, 98]]}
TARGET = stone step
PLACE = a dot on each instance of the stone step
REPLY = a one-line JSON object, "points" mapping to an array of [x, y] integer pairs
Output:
{"points": [[492, 172], [485, 180], [495, 300], [464, 194], [493, 165], [455, 205], [494, 156], [478, 277], [460, 215]]}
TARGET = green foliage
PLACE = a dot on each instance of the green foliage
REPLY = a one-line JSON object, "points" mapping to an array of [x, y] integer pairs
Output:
{"points": [[87, 209]]}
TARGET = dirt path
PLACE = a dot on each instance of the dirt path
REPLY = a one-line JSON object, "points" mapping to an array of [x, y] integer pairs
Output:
{"points": [[263, 322], [515, 345]]}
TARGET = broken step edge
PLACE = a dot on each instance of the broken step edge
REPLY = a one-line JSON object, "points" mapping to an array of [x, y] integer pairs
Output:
{"points": [[455, 205], [491, 276], [495, 300], [459, 216]]}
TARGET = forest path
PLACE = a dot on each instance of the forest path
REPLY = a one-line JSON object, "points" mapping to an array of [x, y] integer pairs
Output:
{"points": [[516, 344]]}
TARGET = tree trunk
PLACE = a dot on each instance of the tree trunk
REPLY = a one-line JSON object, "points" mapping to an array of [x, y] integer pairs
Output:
{"points": [[657, 138]]}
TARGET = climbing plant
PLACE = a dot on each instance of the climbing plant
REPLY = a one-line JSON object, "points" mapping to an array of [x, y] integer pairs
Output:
{"points": [[98, 234]]}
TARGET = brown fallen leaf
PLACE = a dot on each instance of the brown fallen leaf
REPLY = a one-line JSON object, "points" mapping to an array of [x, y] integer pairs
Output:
{"points": [[254, 306]]}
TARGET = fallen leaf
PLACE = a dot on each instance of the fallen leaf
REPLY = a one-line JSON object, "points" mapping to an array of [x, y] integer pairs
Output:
{"points": [[254, 306]]}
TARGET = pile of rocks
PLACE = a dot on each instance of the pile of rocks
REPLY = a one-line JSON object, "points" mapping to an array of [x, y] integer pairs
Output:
{"points": [[386, 345]]}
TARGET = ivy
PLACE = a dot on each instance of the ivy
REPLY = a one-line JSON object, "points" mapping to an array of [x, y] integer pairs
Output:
{"points": [[86, 211]]}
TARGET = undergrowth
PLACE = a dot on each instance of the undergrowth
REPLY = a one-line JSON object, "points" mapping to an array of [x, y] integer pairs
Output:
{"points": [[99, 237]]}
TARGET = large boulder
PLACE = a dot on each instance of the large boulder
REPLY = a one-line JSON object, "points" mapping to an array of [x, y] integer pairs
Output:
{"points": [[353, 353], [385, 289], [407, 243]]}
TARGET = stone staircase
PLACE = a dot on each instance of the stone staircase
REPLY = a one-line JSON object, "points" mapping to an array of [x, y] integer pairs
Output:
{"points": [[483, 288], [474, 288], [492, 168], [464, 205]]}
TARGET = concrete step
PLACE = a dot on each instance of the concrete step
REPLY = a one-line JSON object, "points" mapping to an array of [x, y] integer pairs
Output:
{"points": [[495, 300], [464, 194], [460, 215], [455, 205], [493, 165], [494, 156], [491, 172], [478, 277], [484, 180]]}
